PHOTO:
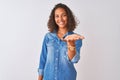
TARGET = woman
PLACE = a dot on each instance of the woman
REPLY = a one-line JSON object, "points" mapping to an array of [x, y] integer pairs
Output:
{"points": [[61, 46]]}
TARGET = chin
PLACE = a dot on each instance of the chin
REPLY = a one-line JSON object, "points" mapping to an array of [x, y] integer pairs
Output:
{"points": [[62, 26]]}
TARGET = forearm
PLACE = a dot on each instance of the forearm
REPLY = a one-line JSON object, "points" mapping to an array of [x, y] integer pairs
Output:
{"points": [[71, 50]]}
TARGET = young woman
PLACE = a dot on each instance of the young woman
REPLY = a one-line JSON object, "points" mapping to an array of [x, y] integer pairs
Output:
{"points": [[61, 46]]}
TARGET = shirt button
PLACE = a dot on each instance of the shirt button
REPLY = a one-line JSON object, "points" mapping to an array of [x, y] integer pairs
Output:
{"points": [[56, 58], [55, 67], [55, 78], [56, 50]]}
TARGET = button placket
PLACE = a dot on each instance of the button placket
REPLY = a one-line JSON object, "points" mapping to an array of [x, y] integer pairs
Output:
{"points": [[56, 63]]}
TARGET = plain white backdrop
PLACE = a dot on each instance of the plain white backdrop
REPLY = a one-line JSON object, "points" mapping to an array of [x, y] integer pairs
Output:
{"points": [[23, 24]]}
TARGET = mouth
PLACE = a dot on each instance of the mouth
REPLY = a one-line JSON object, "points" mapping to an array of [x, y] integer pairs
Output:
{"points": [[61, 23]]}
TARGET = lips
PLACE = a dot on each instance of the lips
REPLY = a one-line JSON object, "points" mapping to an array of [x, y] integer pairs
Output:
{"points": [[61, 23]]}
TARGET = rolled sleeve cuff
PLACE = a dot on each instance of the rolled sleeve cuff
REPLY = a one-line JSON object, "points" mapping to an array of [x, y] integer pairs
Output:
{"points": [[75, 59], [40, 71]]}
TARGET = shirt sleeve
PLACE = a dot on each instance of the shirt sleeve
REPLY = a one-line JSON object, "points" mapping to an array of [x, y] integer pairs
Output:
{"points": [[76, 58], [43, 57]]}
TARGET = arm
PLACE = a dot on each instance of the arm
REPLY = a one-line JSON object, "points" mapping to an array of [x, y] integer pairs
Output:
{"points": [[42, 59], [40, 77], [74, 43], [71, 49]]}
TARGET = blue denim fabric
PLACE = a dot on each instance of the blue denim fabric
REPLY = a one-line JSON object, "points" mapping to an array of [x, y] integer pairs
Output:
{"points": [[54, 62]]}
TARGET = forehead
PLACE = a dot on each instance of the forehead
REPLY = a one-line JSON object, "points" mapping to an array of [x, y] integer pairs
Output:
{"points": [[60, 11]]}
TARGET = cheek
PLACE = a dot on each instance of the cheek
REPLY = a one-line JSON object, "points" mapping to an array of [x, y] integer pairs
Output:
{"points": [[65, 19], [55, 20]]}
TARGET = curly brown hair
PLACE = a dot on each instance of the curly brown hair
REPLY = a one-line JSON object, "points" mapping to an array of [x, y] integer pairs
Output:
{"points": [[71, 25]]}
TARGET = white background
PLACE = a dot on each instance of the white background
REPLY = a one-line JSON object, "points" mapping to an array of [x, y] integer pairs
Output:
{"points": [[23, 24]]}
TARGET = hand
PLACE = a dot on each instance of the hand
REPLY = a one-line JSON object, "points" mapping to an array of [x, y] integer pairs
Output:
{"points": [[73, 37], [70, 39], [40, 77]]}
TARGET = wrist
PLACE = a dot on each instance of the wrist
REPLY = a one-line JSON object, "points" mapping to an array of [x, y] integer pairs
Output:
{"points": [[70, 43], [71, 48]]}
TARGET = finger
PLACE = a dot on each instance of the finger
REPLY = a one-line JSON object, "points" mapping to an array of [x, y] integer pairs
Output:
{"points": [[69, 39], [82, 37]]}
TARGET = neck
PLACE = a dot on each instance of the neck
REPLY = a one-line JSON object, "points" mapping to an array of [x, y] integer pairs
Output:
{"points": [[62, 30]]}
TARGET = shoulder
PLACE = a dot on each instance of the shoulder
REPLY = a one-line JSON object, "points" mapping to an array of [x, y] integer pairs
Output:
{"points": [[50, 35]]}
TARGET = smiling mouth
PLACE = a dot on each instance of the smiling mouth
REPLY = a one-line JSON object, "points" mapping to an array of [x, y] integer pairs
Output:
{"points": [[61, 23]]}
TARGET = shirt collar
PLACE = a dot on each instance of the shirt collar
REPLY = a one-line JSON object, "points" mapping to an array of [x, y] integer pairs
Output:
{"points": [[54, 33]]}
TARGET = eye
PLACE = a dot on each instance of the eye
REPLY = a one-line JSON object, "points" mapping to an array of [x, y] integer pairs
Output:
{"points": [[56, 16], [64, 15]]}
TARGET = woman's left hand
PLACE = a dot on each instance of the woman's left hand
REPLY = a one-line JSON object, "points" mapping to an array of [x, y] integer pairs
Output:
{"points": [[73, 37], [70, 39]]}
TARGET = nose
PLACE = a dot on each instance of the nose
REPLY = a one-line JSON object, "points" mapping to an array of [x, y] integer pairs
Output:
{"points": [[60, 18]]}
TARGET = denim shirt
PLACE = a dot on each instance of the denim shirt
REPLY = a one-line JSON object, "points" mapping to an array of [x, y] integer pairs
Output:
{"points": [[54, 62]]}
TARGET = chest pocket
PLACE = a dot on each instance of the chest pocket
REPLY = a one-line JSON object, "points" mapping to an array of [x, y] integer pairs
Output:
{"points": [[51, 42]]}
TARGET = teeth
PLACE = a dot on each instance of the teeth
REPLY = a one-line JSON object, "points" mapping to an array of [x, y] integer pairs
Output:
{"points": [[61, 23]]}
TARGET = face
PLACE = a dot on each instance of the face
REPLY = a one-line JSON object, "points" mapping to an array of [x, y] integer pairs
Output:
{"points": [[61, 17]]}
